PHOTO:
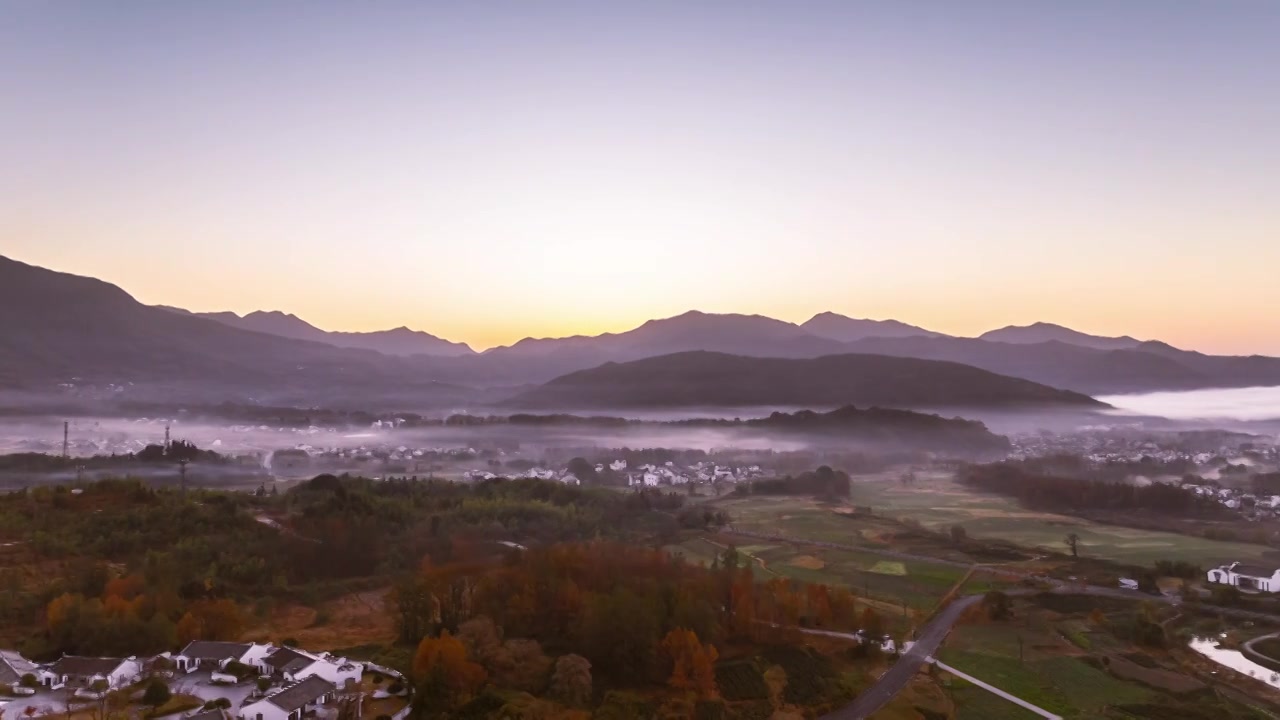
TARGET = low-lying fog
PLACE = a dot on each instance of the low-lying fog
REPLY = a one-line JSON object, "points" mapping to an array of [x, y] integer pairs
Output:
{"points": [[1240, 404], [105, 436]]}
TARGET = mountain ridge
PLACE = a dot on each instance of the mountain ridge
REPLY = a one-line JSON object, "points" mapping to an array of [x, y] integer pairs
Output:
{"points": [[396, 341], [1049, 332], [55, 326], [712, 379]]}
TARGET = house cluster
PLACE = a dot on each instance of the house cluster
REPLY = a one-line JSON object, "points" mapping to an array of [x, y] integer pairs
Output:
{"points": [[1251, 505], [702, 472], [1252, 578], [1103, 445], [297, 683], [280, 663]]}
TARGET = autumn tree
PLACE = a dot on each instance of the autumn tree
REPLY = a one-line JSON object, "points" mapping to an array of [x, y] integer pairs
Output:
{"points": [[444, 674], [692, 663], [522, 665], [211, 620], [871, 624], [571, 681], [483, 640]]}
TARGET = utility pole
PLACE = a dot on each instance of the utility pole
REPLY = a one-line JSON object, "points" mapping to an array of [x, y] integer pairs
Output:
{"points": [[66, 439], [182, 471], [166, 436]]}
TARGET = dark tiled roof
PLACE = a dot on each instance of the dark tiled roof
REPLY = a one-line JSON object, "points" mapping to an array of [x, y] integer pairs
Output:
{"points": [[8, 673], [213, 650], [287, 660], [300, 693], [85, 666], [1254, 570]]}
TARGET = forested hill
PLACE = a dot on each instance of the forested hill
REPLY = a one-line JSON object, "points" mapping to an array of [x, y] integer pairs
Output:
{"points": [[708, 379]]}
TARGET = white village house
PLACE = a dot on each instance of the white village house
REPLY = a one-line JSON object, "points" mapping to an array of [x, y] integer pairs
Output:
{"points": [[292, 665], [291, 702], [84, 672], [1247, 577], [13, 667], [210, 654]]}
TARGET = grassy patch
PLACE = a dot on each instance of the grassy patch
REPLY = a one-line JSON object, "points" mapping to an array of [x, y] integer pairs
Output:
{"points": [[1011, 676], [888, 567], [1087, 687]]}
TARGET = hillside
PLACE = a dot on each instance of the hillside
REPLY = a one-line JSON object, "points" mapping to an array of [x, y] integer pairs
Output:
{"points": [[1043, 332], [399, 341], [708, 379], [1148, 367], [847, 329], [61, 328]]}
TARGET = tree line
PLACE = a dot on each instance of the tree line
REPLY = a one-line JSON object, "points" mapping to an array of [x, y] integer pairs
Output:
{"points": [[1056, 492]]}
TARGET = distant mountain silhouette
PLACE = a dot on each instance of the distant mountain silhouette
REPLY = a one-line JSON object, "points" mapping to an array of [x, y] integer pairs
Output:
{"points": [[729, 333], [55, 327], [846, 329], [1148, 367], [400, 341], [710, 379], [62, 328], [1048, 332]]}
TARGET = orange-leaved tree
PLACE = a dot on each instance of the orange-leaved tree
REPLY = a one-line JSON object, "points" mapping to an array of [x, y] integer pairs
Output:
{"points": [[444, 674], [692, 663]]}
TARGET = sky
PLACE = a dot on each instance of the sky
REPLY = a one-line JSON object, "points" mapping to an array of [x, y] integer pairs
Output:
{"points": [[487, 171]]}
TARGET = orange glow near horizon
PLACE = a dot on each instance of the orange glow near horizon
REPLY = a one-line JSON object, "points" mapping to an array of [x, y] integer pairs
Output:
{"points": [[580, 168]]}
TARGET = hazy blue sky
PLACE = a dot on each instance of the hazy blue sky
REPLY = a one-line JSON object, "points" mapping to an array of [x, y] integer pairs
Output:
{"points": [[487, 170]]}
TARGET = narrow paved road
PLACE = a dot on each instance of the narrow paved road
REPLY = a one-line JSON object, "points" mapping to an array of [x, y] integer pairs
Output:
{"points": [[901, 672]]}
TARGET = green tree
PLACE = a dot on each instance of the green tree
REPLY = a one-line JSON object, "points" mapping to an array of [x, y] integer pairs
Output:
{"points": [[156, 694], [997, 605]]}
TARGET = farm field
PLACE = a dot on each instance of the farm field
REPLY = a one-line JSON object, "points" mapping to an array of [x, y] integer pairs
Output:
{"points": [[1031, 656], [894, 587], [937, 502]]}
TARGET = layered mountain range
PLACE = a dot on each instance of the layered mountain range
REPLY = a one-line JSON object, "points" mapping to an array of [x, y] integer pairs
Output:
{"points": [[59, 328]]}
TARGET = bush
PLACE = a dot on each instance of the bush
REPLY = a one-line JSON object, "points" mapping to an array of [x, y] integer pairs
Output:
{"points": [[263, 684], [156, 694], [741, 680], [30, 681], [217, 704]]}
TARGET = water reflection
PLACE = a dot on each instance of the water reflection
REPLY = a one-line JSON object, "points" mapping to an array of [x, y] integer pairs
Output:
{"points": [[1234, 660]]}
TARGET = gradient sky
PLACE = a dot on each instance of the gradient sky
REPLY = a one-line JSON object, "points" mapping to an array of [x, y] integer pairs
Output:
{"points": [[490, 170]]}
